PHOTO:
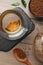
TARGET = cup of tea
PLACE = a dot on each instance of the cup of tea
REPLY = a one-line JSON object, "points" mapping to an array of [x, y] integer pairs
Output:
{"points": [[12, 24]]}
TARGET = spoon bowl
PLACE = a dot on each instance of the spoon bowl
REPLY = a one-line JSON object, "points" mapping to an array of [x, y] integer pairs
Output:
{"points": [[21, 56]]}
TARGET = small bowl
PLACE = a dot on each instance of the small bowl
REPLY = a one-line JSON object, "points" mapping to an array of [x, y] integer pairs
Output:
{"points": [[40, 18]]}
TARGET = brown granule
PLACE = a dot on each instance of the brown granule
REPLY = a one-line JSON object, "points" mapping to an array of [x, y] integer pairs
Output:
{"points": [[36, 7], [19, 53]]}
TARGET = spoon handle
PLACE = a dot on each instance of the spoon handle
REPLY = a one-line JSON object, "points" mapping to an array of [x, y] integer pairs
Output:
{"points": [[27, 62]]}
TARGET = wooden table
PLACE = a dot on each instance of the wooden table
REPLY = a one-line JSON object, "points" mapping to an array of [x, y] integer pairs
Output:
{"points": [[7, 58]]}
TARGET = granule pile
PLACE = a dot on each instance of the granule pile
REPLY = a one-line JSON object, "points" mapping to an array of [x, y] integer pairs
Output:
{"points": [[36, 7]]}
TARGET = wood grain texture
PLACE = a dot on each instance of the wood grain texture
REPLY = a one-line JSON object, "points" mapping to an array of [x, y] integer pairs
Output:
{"points": [[27, 46], [7, 58]]}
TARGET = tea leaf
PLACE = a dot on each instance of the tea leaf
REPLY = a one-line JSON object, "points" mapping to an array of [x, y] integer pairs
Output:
{"points": [[15, 4], [24, 3]]}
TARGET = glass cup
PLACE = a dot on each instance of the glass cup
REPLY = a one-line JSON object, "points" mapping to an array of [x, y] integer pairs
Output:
{"points": [[38, 44]]}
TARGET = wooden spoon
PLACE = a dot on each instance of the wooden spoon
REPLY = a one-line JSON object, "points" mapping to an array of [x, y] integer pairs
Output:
{"points": [[21, 56]]}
